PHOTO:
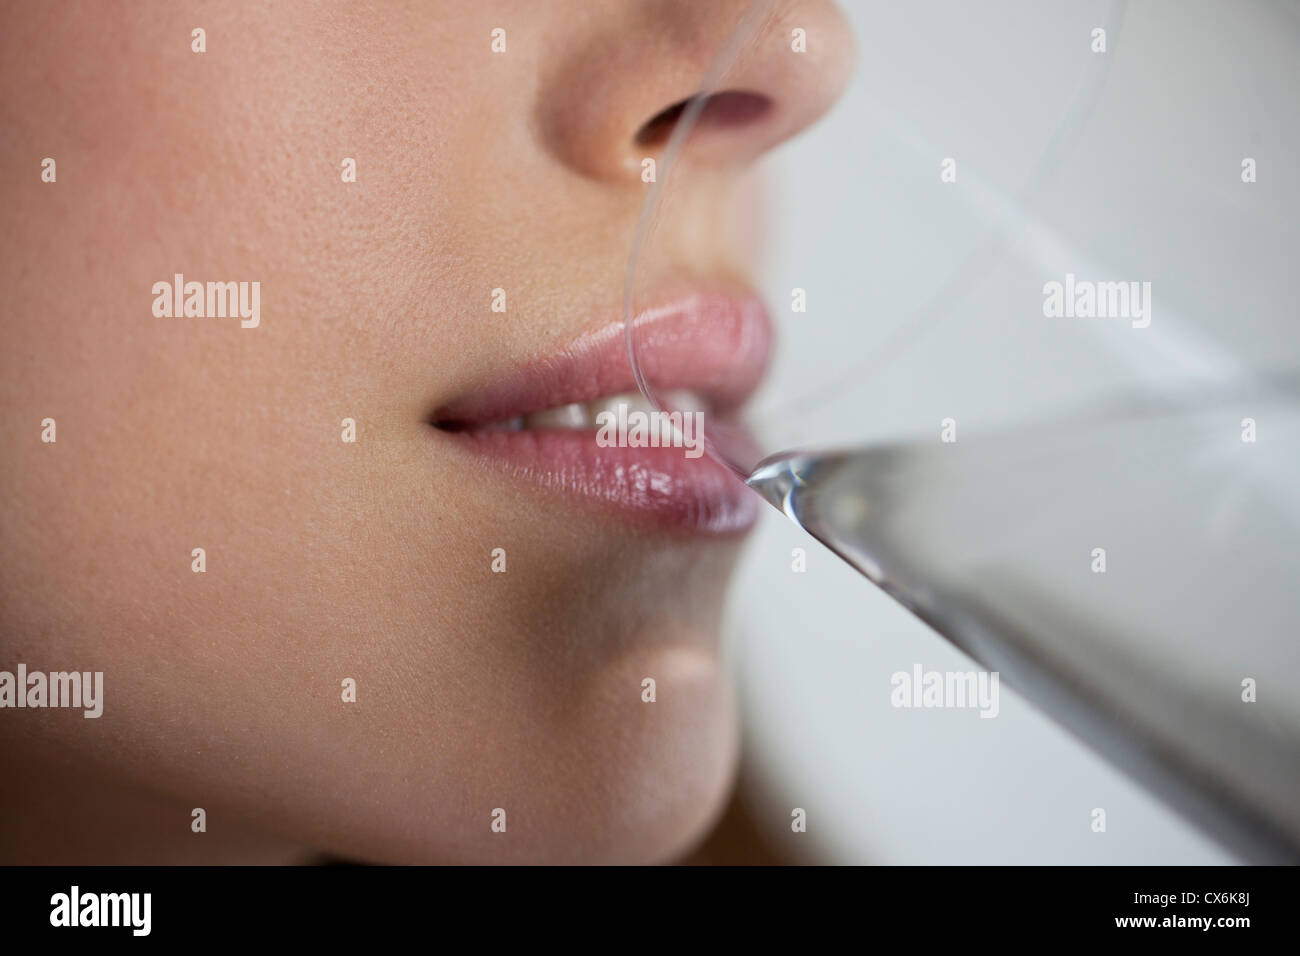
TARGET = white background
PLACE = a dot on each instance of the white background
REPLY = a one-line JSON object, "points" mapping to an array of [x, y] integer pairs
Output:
{"points": [[862, 222]]}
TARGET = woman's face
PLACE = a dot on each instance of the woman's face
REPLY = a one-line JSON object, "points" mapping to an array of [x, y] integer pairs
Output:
{"points": [[498, 594]]}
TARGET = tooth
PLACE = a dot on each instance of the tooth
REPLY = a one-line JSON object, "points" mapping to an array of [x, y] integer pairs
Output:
{"points": [[636, 402], [509, 424], [566, 416], [609, 403], [632, 401], [583, 415], [684, 400]]}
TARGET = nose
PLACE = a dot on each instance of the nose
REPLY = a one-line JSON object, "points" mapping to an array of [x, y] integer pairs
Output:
{"points": [[626, 78]]}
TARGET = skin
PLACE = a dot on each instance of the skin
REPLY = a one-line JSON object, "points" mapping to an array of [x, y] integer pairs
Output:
{"points": [[371, 560]]}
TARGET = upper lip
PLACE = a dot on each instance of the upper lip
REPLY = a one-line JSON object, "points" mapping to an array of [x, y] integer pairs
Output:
{"points": [[714, 344]]}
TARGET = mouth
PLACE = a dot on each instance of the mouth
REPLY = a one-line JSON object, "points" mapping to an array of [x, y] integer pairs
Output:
{"points": [[568, 421]]}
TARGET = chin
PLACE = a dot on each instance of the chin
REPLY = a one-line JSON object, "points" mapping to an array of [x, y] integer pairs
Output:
{"points": [[585, 772]]}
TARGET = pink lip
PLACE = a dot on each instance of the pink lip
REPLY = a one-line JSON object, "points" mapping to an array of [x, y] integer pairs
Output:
{"points": [[714, 344]]}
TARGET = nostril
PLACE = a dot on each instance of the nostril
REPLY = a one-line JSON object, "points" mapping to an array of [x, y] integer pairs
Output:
{"points": [[720, 111], [660, 126]]}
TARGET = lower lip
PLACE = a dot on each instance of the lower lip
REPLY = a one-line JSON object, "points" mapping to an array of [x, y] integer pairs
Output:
{"points": [[658, 486]]}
